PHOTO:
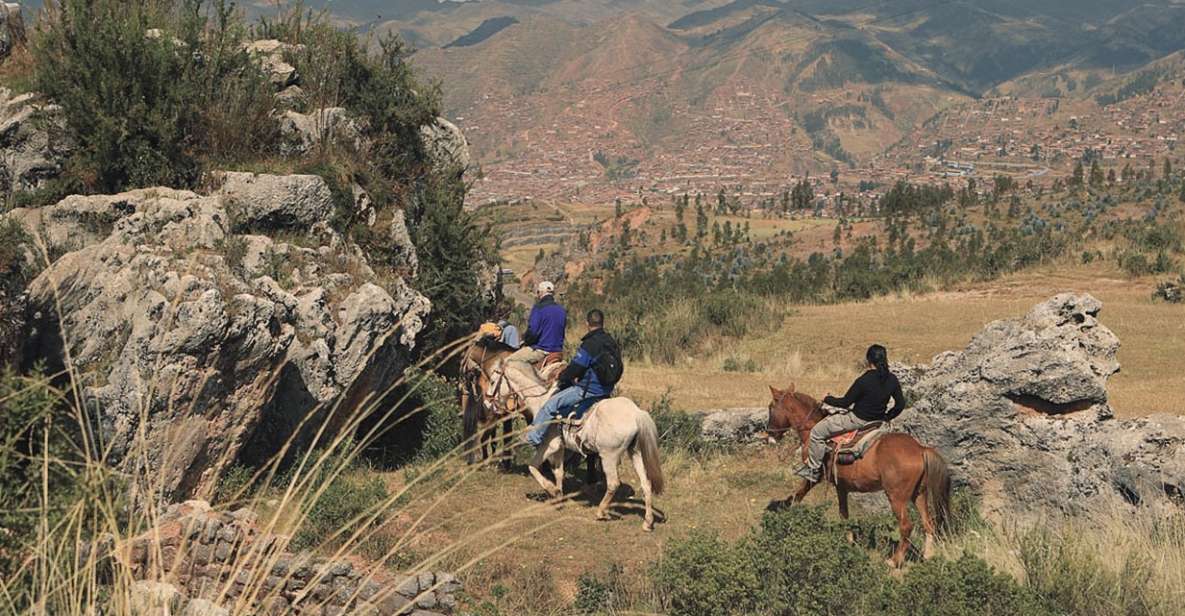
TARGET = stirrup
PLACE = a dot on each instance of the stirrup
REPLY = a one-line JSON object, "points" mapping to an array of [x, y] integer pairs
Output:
{"points": [[809, 474]]}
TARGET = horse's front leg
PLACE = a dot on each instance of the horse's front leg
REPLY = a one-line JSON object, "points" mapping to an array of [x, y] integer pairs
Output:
{"points": [[795, 498], [544, 452]]}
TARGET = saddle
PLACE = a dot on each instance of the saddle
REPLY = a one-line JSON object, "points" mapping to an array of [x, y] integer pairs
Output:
{"points": [[848, 447], [573, 421], [550, 368]]}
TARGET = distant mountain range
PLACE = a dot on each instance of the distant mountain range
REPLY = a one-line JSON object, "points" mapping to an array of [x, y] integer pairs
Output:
{"points": [[851, 77]]}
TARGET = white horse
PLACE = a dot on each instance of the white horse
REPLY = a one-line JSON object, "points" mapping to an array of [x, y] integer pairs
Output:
{"points": [[611, 428]]}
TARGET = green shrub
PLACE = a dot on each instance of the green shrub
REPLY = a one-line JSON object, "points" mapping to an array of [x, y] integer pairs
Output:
{"points": [[145, 109], [806, 565], [963, 587], [679, 430], [597, 594], [35, 427], [703, 574], [351, 494], [234, 485], [441, 432]]}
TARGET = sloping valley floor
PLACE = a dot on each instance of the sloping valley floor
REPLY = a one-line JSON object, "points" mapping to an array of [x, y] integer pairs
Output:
{"points": [[534, 562]]}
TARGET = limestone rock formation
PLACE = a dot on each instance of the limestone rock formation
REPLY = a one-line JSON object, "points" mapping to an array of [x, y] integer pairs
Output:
{"points": [[447, 146], [1022, 416], [262, 201], [32, 144], [195, 328], [270, 55], [12, 28], [304, 131]]}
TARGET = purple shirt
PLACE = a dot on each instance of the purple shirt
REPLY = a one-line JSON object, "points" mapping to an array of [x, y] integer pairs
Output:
{"points": [[545, 328]]}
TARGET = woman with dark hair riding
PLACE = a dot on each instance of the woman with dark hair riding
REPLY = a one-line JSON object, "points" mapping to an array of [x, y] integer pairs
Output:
{"points": [[864, 403]]}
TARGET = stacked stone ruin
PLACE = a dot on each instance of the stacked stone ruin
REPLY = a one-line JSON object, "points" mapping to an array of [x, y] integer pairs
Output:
{"points": [[200, 562]]}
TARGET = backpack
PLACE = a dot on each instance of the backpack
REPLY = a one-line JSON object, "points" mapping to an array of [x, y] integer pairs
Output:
{"points": [[608, 365]]}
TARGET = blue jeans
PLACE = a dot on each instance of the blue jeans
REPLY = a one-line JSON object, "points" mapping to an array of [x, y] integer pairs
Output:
{"points": [[563, 399]]}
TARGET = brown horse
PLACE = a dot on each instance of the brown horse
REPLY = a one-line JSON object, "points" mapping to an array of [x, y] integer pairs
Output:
{"points": [[896, 464], [487, 400]]}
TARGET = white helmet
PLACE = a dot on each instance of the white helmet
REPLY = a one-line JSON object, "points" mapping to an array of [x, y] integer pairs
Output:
{"points": [[545, 288]]}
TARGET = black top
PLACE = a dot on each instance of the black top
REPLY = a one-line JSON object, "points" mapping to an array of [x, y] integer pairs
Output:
{"points": [[869, 395]]}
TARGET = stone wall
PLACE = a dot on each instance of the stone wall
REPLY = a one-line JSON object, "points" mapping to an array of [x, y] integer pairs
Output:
{"points": [[201, 562]]}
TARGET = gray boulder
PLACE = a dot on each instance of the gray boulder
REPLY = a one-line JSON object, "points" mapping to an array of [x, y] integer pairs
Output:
{"points": [[150, 598], [33, 145], [446, 145], [1022, 416], [257, 201], [211, 344], [12, 28], [734, 425], [304, 131], [269, 53]]}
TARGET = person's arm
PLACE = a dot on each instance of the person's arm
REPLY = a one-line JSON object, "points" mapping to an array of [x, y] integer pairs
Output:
{"points": [[576, 369], [898, 402], [848, 399]]}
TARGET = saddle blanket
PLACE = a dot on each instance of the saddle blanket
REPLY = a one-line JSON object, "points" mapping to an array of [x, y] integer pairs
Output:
{"points": [[857, 442]]}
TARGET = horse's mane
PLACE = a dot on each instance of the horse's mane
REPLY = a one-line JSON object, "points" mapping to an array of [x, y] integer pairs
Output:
{"points": [[808, 402]]}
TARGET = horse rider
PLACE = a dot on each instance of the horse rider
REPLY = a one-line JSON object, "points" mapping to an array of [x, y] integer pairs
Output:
{"points": [[864, 403], [591, 375], [509, 335], [545, 331]]}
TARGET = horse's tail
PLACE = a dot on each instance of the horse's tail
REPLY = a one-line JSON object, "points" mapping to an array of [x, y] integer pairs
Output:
{"points": [[470, 417], [647, 443], [936, 476]]}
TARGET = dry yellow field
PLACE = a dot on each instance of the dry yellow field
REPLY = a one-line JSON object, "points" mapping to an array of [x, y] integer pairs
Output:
{"points": [[819, 347]]}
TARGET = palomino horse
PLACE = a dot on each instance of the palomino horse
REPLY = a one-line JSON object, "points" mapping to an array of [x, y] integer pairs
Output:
{"points": [[488, 398], [611, 429], [896, 464]]}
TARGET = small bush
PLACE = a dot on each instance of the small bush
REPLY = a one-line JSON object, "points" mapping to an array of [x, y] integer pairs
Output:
{"points": [[441, 432], [963, 587], [144, 109], [600, 594], [807, 565], [351, 494], [703, 574], [678, 430], [1171, 291]]}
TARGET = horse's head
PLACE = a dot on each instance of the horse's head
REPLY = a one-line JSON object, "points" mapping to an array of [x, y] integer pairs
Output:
{"points": [[788, 411]]}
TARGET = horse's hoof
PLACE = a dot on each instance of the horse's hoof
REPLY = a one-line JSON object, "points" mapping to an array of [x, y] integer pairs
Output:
{"points": [[648, 527], [602, 517], [891, 563], [777, 505]]}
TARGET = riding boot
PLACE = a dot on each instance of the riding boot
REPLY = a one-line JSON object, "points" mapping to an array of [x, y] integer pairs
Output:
{"points": [[812, 475]]}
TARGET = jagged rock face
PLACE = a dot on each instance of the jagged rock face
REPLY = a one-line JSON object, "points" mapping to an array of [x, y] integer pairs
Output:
{"points": [[1021, 415], [204, 340], [32, 144]]}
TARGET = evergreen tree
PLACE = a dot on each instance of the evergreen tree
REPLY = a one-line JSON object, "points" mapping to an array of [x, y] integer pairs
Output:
{"points": [[701, 221], [1096, 174], [1078, 177], [617, 208]]}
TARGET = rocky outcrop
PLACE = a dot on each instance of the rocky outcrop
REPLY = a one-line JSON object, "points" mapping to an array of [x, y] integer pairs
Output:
{"points": [[32, 142], [302, 132], [446, 145], [1022, 416], [197, 561], [262, 201], [202, 340], [269, 53], [12, 28]]}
